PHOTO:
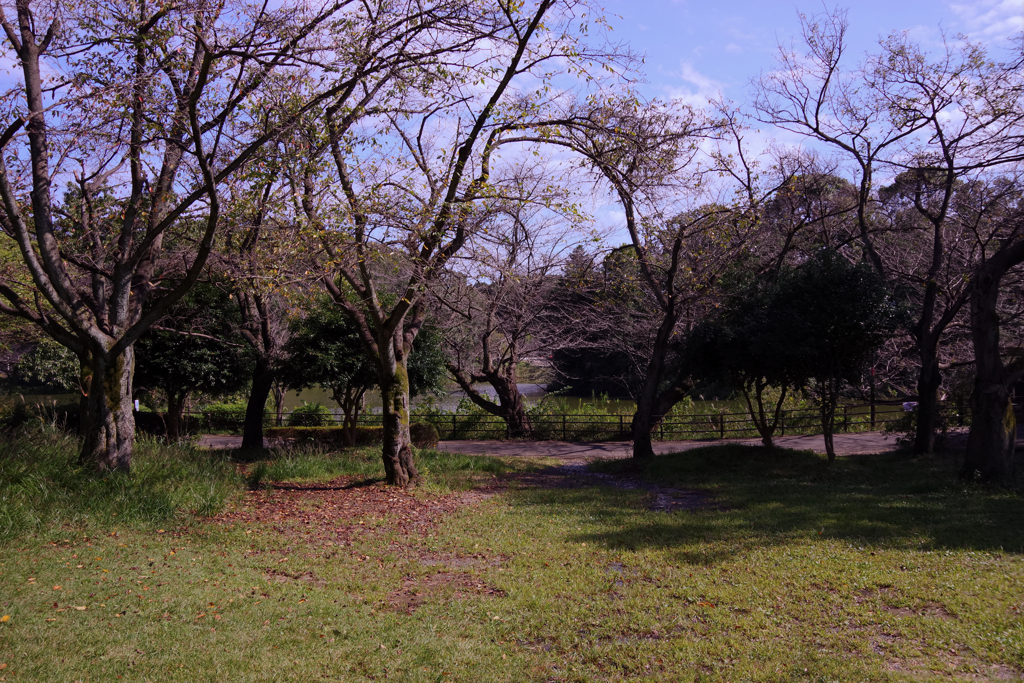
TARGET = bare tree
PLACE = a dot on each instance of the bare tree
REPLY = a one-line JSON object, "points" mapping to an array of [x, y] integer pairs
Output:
{"points": [[931, 121], [995, 311], [502, 301], [647, 156], [148, 113], [417, 169]]}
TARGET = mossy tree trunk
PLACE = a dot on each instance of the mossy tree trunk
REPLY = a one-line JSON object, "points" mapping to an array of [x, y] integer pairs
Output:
{"points": [[108, 427], [399, 468]]}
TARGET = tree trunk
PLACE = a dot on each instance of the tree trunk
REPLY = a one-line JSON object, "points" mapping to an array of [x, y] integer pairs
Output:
{"points": [[399, 468], [351, 401], [108, 425], [278, 403], [262, 383], [928, 383], [829, 400], [513, 410], [990, 445], [765, 427], [643, 448], [175, 406], [510, 407], [645, 417]]}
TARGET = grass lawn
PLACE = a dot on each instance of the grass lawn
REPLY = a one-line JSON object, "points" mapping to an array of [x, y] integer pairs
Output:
{"points": [[876, 568]]}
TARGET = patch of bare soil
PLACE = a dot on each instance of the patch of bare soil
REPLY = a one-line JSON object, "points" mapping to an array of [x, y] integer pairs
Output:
{"points": [[416, 591], [458, 561], [336, 512], [956, 667], [285, 577]]}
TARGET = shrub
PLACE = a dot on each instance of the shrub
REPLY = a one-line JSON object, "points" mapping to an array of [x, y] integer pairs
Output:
{"points": [[311, 415], [424, 435], [220, 416]]}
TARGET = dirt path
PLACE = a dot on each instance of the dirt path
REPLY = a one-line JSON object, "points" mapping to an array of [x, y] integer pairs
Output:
{"points": [[846, 444]]}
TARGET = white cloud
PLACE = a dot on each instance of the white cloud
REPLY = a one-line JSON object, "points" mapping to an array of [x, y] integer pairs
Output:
{"points": [[990, 19], [733, 48], [697, 88]]}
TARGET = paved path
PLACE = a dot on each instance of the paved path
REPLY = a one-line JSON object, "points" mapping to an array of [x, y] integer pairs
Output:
{"points": [[845, 444]]}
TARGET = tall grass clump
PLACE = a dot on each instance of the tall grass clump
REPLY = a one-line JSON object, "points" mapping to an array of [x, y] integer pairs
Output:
{"points": [[314, 462], [42, 487], [441, 471]]}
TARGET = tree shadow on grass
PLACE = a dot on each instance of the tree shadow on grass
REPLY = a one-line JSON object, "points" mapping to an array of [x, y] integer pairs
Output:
{"points": [[778, 497]]}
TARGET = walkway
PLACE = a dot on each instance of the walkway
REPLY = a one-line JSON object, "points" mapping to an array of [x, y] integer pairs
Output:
{"points": [[845, 444]]}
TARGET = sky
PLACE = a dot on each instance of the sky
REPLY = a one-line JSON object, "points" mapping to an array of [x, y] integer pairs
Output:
{"points": [[696, 48]]}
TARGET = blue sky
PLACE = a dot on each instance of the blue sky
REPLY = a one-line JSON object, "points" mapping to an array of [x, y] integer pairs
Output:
{"points": [[696, 48]]}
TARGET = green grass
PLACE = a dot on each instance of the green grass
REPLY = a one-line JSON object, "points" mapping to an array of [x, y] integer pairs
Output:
{"points": [[876, 568], [42, 487]]}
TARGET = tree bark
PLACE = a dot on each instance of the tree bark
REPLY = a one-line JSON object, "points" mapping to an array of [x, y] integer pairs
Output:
{"points": [[279, 392], [827, 410], [928, 383], [510, 406], [175, 406], [513, 409], [262, 383], [351, 401], [108, 427], [651, 408], [399, 468], [765, 427], [990, 445]]}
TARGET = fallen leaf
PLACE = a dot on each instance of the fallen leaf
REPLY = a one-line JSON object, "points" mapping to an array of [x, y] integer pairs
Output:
{"points": [[5, 618], [80, 609], [56, 588]]}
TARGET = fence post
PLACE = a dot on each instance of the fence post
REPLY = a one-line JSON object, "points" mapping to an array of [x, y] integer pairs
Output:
{"points": [[846, 420], [782, 422], [563, 427], [721, 426], [622, 427]]}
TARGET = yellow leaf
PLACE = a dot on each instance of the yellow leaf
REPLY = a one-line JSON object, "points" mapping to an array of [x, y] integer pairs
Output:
{"points": [[5, 618], [80, 609]]}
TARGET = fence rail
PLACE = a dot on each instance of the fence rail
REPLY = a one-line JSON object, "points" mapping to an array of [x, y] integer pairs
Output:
{"points": [[611, 427]]}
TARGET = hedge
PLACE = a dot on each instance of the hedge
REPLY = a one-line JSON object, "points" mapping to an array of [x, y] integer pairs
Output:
{"points": [[424, 434]]}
